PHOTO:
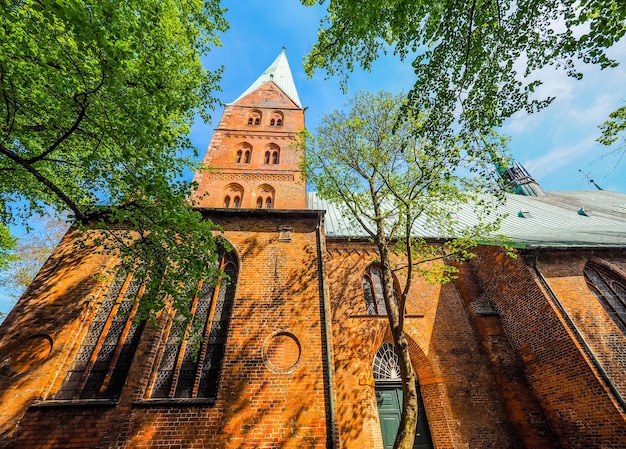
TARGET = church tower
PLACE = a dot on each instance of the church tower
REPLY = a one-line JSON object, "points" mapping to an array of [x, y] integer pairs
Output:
{"points": [[253, 164]]}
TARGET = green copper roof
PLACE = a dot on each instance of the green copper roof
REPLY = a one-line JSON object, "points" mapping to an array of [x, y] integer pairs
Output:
{"points": [[550, 221], [280, 73]]}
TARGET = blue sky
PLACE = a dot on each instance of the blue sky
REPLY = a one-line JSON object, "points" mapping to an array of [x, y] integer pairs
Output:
{"points": [[553, 144]]}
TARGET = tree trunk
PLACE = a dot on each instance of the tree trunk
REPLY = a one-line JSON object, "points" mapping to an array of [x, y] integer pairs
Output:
{"points": [[408, 419]]}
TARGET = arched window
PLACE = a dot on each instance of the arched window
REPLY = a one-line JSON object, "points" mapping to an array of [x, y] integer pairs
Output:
{"points": [[610, 290], [255, 117], [385, 367], [104, 357], [182, 371], [232, 194], [275, 157], [265, 196], [276, 118], [239, 153], [247, 156], [267, 157], [373, 291]]}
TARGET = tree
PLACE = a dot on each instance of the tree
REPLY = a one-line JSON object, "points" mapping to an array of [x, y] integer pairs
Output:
{"points": [[388, 178], [476, 63], [30, 253], [613, 131], [96, 101]]}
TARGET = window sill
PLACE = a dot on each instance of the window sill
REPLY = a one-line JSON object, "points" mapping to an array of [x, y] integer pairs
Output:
{"points": [[75, 403], [173, 402]]}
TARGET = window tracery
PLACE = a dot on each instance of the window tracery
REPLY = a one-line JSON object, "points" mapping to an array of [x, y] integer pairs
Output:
{"points": [[106, 352], [385, 366], [182, 373]]}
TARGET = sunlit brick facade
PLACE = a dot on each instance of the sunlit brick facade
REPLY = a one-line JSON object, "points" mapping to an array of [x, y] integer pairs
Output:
{"points": [[525, 352]]}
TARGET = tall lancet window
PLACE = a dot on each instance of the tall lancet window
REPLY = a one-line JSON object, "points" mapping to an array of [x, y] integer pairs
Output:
{"points": [[610, 290], [373, 291], [184, 371], [106, 352]]}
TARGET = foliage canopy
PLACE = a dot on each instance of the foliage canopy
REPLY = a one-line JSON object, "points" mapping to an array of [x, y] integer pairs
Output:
{"points": [[96, 101], [475, 62]]}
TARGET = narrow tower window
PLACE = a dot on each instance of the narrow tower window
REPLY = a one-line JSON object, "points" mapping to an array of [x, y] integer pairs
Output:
{"points": [[268, 203], [227, 201], [276, 118], [239, 153], [247, 157], [275, 157], [259, 203], [267, 157], [237, 202], [255, 117]]}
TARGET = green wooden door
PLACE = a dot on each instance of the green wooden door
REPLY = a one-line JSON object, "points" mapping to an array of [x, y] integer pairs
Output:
{"points": [[389, 401]]}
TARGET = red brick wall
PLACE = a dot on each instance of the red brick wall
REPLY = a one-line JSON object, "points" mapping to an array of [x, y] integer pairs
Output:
{"points": [[525, 413], [462, 403], [575, 400], [233, 131], [36, 336], [262, 400]]}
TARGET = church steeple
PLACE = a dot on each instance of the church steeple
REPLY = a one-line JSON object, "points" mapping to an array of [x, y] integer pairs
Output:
{"points": [[280, 73], [255, 164]]}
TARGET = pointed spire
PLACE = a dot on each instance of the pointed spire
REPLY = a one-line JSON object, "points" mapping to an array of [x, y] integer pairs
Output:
{"points": [[280, 73]]}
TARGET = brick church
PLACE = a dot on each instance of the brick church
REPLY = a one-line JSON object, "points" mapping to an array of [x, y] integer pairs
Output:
{"points": [[526, 352]]}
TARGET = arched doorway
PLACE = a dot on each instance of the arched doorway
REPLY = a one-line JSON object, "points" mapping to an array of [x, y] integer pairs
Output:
{"points": [[388, 388]]}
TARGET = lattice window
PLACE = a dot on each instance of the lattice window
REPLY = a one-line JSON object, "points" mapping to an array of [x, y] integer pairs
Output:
{"points": [[185, 372], [106, 352], [385, 367], [610, 290]]}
